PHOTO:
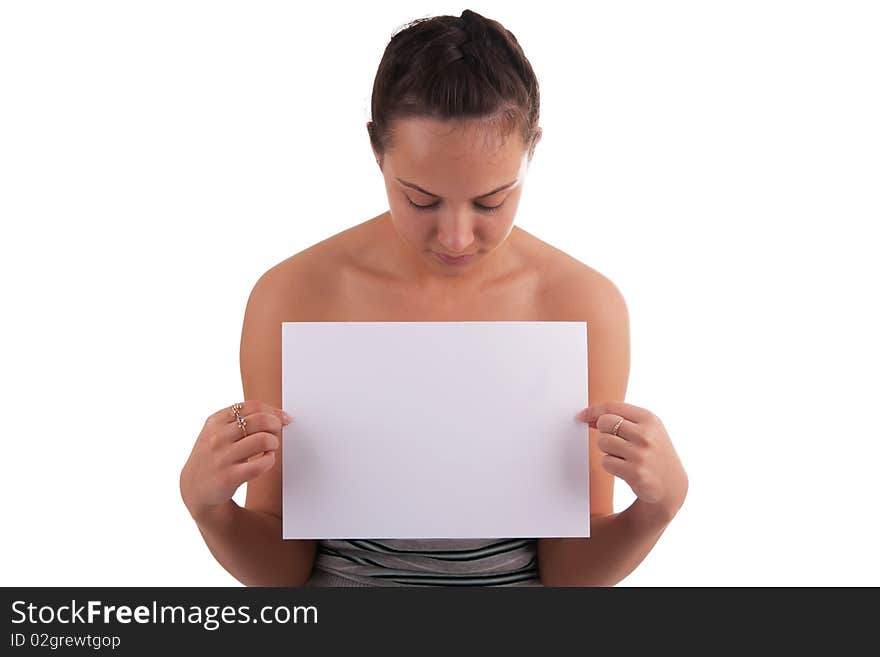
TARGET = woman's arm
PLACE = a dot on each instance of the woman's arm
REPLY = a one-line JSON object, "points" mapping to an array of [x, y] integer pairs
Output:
{"points": [[618, 542], [247, 543]]}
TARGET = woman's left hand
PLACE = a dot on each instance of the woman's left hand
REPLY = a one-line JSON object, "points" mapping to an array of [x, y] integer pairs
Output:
{"points": [[641, 453]]}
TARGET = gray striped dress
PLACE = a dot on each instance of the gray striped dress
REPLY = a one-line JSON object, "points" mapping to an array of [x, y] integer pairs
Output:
{"points": [[426, 562]]}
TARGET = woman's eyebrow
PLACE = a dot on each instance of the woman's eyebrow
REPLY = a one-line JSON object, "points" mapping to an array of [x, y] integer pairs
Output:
{"points": [[424, 191]]}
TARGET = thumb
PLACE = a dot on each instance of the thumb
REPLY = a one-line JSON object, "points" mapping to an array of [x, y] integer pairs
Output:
{"points": [[586, 415]]}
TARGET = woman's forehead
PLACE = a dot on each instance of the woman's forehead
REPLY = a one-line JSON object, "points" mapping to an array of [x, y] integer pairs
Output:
{"points": [[478, 134], [428, 142]]}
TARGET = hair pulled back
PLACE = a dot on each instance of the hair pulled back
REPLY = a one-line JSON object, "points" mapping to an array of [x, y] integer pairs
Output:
{"points": [[455, 69]]}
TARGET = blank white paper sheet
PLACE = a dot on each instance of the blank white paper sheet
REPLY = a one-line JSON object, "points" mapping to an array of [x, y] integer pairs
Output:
{"points": [[435, 430]]}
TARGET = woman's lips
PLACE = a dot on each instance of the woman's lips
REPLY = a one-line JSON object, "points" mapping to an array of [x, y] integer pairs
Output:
{"points": [[460, 260]]}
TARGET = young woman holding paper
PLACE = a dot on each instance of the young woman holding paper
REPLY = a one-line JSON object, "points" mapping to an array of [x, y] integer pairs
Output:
{"points": [[454, 127]]}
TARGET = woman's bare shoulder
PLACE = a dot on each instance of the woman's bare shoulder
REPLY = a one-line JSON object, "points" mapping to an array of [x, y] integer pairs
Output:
{"points": [[567, 282], [312, 274]]}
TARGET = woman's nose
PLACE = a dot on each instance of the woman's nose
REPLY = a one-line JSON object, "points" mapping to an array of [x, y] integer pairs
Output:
{"points": [[456, 234]]}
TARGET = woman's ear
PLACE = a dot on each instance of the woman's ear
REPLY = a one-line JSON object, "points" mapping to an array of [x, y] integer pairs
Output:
{"points": [[370, 134], [535, 143]]}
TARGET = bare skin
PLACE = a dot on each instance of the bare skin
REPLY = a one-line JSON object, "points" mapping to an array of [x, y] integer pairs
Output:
{"points": [[383, 270]]}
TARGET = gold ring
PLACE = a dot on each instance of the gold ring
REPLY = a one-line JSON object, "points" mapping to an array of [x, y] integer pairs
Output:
{"points": [[616, 426]]}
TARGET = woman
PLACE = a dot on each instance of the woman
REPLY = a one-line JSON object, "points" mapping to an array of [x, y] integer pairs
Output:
{"points": [[454, 126]]}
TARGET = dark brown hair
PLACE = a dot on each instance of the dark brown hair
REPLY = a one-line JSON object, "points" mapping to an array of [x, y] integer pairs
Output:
{"points": [[455, 68]]}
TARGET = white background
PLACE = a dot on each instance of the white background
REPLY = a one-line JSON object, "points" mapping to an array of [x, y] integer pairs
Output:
{"points": [[718, 161]]}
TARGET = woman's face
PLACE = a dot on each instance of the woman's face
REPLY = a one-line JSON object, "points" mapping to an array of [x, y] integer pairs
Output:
{"points": [[453, 189]]}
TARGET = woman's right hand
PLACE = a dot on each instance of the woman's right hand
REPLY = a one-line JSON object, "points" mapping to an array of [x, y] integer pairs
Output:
{"points": [[220, 460]]}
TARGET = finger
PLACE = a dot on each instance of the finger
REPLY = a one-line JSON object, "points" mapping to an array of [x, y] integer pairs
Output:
{"points": [[254, 444], [615, 446], [252, 469], [627, 430], [249, 407], [616, 466], [629, 412], [255, 423]]}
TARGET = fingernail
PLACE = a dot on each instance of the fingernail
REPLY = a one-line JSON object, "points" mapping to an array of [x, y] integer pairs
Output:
{"points": [[286, 417]]}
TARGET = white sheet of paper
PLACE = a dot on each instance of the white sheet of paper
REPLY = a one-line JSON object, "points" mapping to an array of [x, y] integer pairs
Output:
{"points": [[435, 430]]}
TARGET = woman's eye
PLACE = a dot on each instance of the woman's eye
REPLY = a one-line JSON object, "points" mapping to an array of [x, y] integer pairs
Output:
{"points": [[483, 208], [422, 207]]}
